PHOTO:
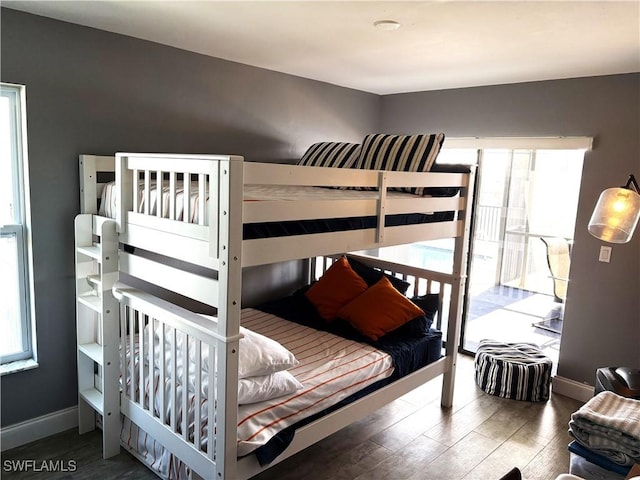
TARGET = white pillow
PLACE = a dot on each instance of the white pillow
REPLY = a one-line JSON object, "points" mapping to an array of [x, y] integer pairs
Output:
{"points": [[266, 387], [260, 355]]}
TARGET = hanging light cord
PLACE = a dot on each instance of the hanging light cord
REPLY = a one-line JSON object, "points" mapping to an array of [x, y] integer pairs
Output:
{"points": [[632, 182]]}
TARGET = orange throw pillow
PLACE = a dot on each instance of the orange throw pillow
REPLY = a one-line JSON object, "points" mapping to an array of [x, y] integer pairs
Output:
{"points": [[337, 287], [379, 310]]}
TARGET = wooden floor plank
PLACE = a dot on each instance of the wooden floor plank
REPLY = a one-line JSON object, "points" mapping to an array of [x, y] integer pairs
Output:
{"points": [[407, 462], [480, 438], [551, 461], [457, 461]]}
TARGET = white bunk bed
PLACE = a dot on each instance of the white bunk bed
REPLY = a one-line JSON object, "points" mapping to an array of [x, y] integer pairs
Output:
{"points": [[215, 241]]}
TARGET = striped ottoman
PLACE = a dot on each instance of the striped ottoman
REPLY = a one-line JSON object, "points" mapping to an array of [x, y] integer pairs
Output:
{"points": [[519, 371]]}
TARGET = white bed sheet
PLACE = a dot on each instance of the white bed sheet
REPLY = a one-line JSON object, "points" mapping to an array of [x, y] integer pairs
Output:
{"points": [[252, 193]]}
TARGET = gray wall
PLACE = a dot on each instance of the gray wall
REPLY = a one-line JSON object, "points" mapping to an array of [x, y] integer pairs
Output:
{"points": [[602, 316], [90, 91]]}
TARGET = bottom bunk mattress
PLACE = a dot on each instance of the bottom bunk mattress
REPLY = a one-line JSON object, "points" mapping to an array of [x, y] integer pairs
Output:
{"points": [[332, 370]]}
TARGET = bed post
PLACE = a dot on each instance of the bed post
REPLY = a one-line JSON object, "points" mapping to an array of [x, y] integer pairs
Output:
{"points": [[90, 186], [88, 181], [124, 188], [230, 276], [457, 292]]}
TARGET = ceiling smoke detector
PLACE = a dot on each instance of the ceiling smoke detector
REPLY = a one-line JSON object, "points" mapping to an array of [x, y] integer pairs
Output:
{"points": [[386, 25]]}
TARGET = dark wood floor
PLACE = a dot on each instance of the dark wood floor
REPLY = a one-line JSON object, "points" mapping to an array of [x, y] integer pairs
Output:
{"points": [[480, 438]]}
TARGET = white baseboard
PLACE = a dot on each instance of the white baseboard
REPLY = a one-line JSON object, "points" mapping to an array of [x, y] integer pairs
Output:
{"points": [[37, 428], [572, 389]]}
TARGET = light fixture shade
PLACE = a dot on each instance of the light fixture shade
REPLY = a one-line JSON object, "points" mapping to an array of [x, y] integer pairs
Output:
{"points": [[616, 215]]}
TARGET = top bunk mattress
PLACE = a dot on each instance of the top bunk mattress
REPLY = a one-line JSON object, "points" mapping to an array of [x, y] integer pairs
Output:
{"points": [[283, 193]]}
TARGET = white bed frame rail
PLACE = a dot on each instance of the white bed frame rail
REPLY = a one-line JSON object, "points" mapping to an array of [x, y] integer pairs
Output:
{"points": [[189, 336], [270, 250], [205, 242]]}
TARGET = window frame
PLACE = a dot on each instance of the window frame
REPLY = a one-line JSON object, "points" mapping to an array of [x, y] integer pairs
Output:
{"points": [[21, 230]]}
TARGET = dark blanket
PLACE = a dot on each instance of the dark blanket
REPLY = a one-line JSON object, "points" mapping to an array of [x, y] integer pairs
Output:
{"points": [[305, 227]]}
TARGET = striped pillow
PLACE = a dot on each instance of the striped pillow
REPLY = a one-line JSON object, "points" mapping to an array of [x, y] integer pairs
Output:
{"points": [[402, 153], [331, 154]]}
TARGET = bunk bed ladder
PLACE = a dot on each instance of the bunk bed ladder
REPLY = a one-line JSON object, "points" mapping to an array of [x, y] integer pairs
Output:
{"points": [[96, 261]]}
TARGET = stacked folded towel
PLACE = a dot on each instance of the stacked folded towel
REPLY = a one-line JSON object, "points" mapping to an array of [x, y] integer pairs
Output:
{"points": [[609, 425]]}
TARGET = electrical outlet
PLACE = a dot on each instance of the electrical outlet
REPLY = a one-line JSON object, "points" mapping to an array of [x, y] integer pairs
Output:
{"points": [[605, 254]]}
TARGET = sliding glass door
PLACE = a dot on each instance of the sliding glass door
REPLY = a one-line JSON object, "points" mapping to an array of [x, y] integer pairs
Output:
{"points": [[526, 201]]}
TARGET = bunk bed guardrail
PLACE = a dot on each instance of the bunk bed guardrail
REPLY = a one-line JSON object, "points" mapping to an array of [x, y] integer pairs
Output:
{"points": [[163, 341]]}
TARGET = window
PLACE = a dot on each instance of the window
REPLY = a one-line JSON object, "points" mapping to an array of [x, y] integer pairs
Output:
{"points": [[17, 342]]}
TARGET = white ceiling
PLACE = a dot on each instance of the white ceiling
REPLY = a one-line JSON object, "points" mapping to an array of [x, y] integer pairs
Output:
{"points": [[440, 44]]}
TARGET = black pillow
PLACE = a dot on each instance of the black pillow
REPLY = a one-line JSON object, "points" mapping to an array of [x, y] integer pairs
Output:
{"points": [[416, 328], [450, 168], [428, 303], [419, 326], [445, 168], [372, 275]]}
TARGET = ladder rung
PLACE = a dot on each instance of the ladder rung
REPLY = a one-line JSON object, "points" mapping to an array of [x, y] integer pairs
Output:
{"points": [[94, 280], [94, 398], [92, 251], [92, 350], [91, 300]]}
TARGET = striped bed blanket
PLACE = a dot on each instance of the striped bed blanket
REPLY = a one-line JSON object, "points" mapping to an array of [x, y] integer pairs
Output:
{"points": [[331, 368], [609, 425]]}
